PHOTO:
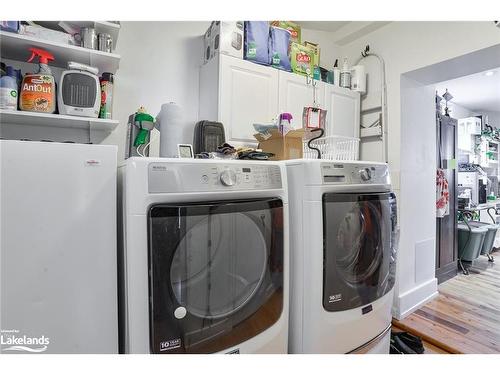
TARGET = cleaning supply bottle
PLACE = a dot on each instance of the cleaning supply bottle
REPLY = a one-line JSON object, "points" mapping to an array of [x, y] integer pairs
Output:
{"points": [[38, 90], [8, 89], [336, 73], [106, 95], [285, 122], [345, 75], [317, 73]]}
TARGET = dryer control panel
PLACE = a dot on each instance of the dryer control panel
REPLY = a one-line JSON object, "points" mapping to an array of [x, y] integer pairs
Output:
{"points": [[198, 177], [354, 173]]}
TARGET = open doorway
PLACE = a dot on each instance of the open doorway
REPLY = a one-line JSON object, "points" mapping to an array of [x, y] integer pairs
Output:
{"points": [[462, 309], [468, 141]]}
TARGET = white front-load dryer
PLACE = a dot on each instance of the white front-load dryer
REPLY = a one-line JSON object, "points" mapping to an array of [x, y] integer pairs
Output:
{"points": [[203, 263], [342, 249]]}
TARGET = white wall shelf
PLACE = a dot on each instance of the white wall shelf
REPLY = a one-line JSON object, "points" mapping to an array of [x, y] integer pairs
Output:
{"points": [[107, 27], [16, 47], [55, 120]]}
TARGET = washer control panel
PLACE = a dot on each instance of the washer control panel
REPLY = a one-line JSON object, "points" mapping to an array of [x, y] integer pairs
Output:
{"points": [[353, 173], [197, 177]]}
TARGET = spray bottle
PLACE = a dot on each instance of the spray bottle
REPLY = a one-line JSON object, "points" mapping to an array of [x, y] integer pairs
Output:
{"points": [[345, 75], [38, 90], [336, 73]]}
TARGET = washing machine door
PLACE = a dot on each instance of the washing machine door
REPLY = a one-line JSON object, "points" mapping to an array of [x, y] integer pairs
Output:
{"points": [[360, 240], [216, 273]]}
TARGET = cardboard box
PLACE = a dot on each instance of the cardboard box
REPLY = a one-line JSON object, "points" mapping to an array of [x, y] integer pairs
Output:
{"points": [[224, 37], [284, 147], [208, 53], [316, 50], [301, 59]]}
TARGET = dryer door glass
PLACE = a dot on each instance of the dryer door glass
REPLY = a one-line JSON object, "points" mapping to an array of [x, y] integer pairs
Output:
{"points": [[359, 248], [216, 273]]}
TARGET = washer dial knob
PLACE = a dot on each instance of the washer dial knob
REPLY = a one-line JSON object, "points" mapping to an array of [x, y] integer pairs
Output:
{"points": [[365, 174], [228, 177]]}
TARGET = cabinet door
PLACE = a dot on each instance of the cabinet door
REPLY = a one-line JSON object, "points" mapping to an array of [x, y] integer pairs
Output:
{"points": [[464, 137], [343, 111], [296, 92], [248, 95]]}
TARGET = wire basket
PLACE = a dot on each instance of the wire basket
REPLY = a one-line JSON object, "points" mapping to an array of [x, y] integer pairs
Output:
{"points": [[334, 147]]}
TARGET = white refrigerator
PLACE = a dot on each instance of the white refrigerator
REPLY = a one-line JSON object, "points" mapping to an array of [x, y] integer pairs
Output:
{"points": [[58, 248]]}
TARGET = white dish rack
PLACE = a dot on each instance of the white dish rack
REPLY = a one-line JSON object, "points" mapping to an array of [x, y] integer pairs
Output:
{"points": [[333, 147]]}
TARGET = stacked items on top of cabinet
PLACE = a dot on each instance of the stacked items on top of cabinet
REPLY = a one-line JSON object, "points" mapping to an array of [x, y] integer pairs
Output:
{"points": [[278, 44]]}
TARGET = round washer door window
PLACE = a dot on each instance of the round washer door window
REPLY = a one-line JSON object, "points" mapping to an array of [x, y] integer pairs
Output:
{"points": [[219, 264], [359, 253]]}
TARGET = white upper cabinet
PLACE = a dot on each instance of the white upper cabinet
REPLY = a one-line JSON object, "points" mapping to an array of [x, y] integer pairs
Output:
{"points": [[296, 92], [247, 93], [239, 93], [343, 106]]}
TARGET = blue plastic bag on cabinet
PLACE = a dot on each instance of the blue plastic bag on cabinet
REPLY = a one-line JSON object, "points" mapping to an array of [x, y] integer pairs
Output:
{"points": [[280, 44], [257, 42]]}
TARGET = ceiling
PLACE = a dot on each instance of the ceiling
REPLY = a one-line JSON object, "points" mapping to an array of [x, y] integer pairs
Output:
{"points": [[476, 92], [344, 32], [330, 26]]}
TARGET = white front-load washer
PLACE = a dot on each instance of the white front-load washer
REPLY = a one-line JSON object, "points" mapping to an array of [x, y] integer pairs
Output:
{"points": [[343, 241], [203, 264]]}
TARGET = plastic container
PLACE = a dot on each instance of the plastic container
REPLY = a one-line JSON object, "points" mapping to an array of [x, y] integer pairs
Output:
{"points": [[345, 75], [333, 148], [489, 238], [107, 81], [9, 89], [170, 123], [38, 90], [285, 124], [257, 42], [358, 79], [469, 246], [292, 27], [280, 41], [12, 26]]}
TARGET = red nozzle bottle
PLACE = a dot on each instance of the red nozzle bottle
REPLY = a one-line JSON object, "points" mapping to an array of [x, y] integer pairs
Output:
{"points": [[43, 56]]}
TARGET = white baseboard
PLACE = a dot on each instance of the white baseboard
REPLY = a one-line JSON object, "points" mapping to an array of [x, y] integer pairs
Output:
{"points": [[411, 300]]}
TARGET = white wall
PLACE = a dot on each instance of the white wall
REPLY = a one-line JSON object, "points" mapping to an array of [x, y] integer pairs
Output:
{"points": [[416, 262], [493, 117], [457, 111], [159, 63], [329, 50], [408, 46]]}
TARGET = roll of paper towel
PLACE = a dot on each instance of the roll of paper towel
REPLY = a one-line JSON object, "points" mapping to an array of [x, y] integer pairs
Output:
{"points": [[169, 123], [358, 79]]}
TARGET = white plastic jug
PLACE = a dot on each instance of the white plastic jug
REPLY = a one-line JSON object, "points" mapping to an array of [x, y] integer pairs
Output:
{"points": [[169, 123]]}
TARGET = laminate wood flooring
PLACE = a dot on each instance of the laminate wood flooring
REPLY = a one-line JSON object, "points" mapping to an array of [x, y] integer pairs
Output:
{"points": [[465, 316]]}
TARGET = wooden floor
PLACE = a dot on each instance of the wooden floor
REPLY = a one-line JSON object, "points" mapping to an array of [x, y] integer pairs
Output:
{"points": [[465, 316]]}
